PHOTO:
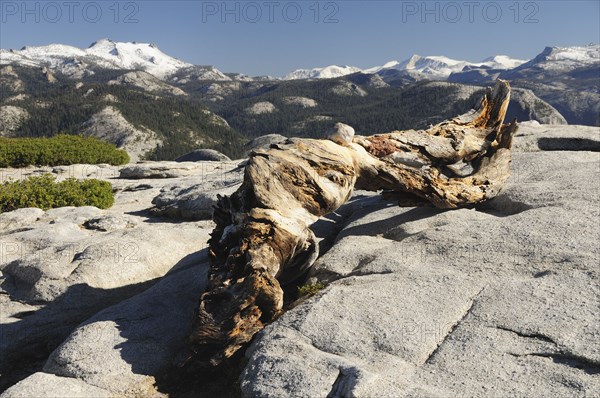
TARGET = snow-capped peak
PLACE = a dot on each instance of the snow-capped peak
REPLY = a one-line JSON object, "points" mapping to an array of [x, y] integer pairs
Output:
{"points": [[52, 50], [104, 53], [440, 59], [502, 62], [145, 56], [387, 65], [433, 66], [437, 67], [558, 58], [327, 72], [440, 67]]}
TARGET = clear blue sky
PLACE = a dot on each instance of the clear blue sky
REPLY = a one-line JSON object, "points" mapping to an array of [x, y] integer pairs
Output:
{"points": [[276, 37]]}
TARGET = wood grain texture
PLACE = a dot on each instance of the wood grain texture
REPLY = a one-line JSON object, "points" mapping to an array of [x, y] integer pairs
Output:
{"points": [[262, 238]]}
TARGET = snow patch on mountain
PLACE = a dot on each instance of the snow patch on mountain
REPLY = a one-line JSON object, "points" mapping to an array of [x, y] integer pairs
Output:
{"points": [[502, 62], [327, 72], [143, 56], [104, 53], [439, 67], [436, 67], [565, 58]]}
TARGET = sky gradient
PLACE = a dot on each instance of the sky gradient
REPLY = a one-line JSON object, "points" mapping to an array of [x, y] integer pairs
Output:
{"points": [[276, 37]]}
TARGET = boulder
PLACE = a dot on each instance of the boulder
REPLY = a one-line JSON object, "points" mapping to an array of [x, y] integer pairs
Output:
{"points": [[203, 155], [190, 203], [264, 142], [193, 198], [341, 134]]}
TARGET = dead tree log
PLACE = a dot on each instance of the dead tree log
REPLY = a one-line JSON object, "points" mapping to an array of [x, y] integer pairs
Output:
{"points": [[262, 238]]}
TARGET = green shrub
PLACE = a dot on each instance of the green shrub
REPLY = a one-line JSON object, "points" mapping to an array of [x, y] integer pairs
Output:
{"points": [[58, 150], [46, 193], [312, 289]]}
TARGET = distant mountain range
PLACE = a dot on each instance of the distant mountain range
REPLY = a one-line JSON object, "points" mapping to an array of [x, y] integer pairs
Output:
{"points": [[158, 107], [431, 67], [107, 54]]}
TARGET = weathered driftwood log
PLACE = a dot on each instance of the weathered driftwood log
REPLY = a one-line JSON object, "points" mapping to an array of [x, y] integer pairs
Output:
{"points": [[262, 238]]}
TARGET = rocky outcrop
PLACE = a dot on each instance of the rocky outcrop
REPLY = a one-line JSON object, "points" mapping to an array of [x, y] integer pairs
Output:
{"points": [[199, 73], [172, 169], [370, 80], [217, 91], [11, 119], [60, 267], [75, 261], [302, 102], [525, 105], [346, 89], [496, 300], [10, 80], [48, 75], [216, 119], [137, 340], [261, 108], [110, 125], [146, 82]]}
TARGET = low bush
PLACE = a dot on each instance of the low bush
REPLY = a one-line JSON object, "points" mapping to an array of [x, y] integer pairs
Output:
{"points": [[58, 150], [310, 289], [45, 193]]}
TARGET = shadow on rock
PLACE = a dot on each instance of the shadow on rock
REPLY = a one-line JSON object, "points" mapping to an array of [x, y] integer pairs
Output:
{"points": [[129, 348], [568, 144], [26, 343]]}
